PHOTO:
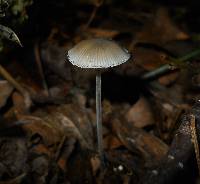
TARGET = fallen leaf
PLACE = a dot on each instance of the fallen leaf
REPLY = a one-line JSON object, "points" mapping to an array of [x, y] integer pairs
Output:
{"points": [[9, 34], [149, 58], [140, 114], [169, 78], [5, 92], [168, 115], [102, 33], [37, 126], [96, 164], [135, 139], [160, 29], [42, 149], [111, 142], [19, 105], [80, 120]]}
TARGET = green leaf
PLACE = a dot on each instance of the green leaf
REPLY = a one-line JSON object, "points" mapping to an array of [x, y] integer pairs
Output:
{"points": [[9, 34]]}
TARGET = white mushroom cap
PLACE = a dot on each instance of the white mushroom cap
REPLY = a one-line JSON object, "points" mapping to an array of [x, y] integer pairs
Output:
{"points": [[97, 53]]}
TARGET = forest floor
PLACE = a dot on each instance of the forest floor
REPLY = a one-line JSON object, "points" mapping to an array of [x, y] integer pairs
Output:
{"points": [[151, 104]]}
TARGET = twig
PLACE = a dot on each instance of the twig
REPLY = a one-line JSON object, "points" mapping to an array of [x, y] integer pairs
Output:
{"points": [[58, 152], [158, 72], [195, 141], [97, 4], [18, 87], [188, 56], [40, 68], [94, 11], [169, 67]]}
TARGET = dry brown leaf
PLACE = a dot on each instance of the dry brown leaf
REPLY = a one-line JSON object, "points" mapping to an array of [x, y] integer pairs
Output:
{"points": [[81, 119], [168, 112], [136, 139], [169, 78], [96, 164], [42, 149], [70, 121], [102, 33], [5, 91], [160, 29], [69, 127], [140, 114], [62, 163], [19, 104], [111, 142], [37, 126], [149, 59]]}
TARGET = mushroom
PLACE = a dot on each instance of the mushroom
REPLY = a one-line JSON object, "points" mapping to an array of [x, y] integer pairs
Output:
{"points": [[98, 53]]}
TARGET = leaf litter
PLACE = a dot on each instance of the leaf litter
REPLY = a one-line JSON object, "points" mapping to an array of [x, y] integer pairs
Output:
{"points": [[48, 134]]}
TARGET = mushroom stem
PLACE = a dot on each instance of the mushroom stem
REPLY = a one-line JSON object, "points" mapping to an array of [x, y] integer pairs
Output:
{"points": [[99, 116]]}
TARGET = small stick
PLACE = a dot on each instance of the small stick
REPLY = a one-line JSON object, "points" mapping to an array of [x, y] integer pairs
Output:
{"points": [[169, 67], [93, 14], [158, 72], [58, 152], [14, 83], [40, 68], [195, 140], [99, 117], [94, 11]]}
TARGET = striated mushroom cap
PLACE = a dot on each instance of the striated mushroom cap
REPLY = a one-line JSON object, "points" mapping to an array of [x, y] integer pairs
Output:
{"points": [[97, 53]]}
